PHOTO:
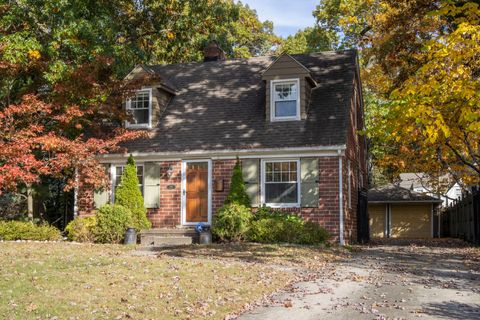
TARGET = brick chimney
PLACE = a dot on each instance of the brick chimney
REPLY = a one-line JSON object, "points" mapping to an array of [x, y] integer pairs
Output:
{"points": [[213, 52]]}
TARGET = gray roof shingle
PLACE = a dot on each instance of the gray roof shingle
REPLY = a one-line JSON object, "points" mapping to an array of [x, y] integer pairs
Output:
{"points": [[395, 193], [221, 106]]}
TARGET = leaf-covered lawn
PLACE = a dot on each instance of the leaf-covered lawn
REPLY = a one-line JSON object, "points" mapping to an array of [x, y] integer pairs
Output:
{"points": [[73, 281]]}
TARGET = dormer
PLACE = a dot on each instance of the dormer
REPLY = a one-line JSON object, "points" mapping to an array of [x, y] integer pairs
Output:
{"points": [[288, 88], [151, 97]]}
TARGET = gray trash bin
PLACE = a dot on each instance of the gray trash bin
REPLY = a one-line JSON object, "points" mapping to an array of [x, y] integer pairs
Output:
{"points": [[130, 236]]}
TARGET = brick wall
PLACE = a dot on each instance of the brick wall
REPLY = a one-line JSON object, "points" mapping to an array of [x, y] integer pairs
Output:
{"points": [[169, 213]]}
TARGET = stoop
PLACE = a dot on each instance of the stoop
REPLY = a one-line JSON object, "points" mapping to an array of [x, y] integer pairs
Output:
{"points": [[152, 238]]}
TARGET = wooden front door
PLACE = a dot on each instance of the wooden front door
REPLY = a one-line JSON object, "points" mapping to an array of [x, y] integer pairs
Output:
{"points": [[196, 192]]}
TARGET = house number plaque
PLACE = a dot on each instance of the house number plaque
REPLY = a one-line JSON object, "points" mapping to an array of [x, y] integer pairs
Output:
{"points": [[171, 187]]}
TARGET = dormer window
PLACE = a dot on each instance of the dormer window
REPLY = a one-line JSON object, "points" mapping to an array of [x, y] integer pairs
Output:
{"points": [[285, 101], [140, 108]]}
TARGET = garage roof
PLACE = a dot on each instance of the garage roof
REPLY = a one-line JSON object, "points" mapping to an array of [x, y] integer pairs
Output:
{"points": [[395, 194]]}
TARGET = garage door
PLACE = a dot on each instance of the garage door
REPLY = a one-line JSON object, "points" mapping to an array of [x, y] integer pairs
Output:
{"points": [[376, 214], [411, 221]]}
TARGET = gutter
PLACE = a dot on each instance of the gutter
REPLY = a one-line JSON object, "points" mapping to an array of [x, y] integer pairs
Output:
{"points": [[340, 198]]}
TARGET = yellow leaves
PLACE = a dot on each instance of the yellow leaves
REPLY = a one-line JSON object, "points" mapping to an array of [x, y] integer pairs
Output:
{"points": [[34, 54], [170, 35]]}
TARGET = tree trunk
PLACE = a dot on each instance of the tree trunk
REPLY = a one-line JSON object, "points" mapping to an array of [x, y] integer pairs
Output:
{"points": [[29, 202]]}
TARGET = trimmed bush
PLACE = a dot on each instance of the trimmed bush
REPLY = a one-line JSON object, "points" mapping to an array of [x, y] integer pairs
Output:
{"points": [[20, 230], [237, 192], [82, 229], [231, 222], [128, 195], [112, 222], [270, 226]]}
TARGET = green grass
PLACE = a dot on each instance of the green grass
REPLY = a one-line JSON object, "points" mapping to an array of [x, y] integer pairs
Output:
{"points": [[85, 281]]}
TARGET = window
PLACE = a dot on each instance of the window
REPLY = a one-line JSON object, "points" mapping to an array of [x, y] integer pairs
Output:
{"points": [[281, 183], [140, 107], [285, 102], [117, 177]]}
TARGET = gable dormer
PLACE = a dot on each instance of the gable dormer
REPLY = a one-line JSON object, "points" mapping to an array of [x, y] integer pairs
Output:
{"points": [[153, 94], [288, 87]]}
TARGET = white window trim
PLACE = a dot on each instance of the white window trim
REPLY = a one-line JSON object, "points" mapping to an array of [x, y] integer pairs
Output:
{"points": [[262, 186], [113, 169], [272, 99], [183, 198], [128, 107]]}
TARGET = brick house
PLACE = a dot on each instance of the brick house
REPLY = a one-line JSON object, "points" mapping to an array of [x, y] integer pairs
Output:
{"points": [[292, 121]]}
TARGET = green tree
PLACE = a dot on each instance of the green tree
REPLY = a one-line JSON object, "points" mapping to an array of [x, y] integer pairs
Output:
{"points": [[237, 192], [312, 39], [128, 195]]}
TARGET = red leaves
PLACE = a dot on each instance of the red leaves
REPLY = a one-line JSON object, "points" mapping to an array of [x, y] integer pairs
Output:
{"points": [[33, 143]]}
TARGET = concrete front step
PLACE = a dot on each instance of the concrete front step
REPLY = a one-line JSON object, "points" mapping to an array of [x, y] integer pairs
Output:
{"points": [[168, 237]]}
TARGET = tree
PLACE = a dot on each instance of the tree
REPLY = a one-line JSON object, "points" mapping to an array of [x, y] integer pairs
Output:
{"points": [[419, 69], [61, 70], [308, 40], [128, 195], [237, 192]]}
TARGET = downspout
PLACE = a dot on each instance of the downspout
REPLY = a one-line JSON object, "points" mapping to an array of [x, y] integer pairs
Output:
{"points": [[340, 197]]}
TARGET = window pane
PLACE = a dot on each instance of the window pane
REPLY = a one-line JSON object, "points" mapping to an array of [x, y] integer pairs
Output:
{"points": [[276, 176], [285, 91], [286, 108], [285, 176], [281, 193], [140, 116], [293, 166], [277, 166], [269, 176]]}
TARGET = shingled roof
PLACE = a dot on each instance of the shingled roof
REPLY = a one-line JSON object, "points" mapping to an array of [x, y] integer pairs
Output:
{"points": [[394, 193], [221, 106]]}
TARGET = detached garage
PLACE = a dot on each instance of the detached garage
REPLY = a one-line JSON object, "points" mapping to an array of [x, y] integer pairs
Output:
{"points": [[397, 212]]}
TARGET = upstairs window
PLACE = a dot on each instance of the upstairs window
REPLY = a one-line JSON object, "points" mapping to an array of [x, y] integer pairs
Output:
{"points": [[285, 101], [140, 108]]}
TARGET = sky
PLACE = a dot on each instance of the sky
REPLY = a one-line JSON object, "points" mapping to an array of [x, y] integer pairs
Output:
{"points": [[287, 15]]}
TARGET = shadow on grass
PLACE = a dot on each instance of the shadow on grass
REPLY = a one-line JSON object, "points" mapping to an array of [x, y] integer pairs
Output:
{"points": [[453, 310], [291, 255]]}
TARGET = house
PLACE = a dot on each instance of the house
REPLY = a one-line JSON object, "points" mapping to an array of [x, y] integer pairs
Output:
{"points": [[398, 212], [292, 120], [419, 182]]}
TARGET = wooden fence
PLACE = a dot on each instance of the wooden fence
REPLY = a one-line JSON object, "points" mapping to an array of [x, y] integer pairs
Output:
{"points": [[462, 219]]}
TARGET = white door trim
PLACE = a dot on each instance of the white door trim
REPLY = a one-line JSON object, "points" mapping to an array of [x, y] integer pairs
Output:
{"points": [[184, 192]]}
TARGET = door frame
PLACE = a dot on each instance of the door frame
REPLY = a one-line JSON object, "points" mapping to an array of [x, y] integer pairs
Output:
{"points": [[184, 192]]}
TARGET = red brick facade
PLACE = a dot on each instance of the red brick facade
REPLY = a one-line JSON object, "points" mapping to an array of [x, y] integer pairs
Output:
{"points": [[327, 213]]}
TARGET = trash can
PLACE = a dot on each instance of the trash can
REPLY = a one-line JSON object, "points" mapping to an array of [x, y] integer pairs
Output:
{"points": [[130, 236], [204, 234], [205, 237]]}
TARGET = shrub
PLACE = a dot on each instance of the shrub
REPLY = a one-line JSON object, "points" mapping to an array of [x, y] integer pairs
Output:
{"points": [[128, 194], [20, 230], [237, 192], [313, 234], [231, 222], [82, 229], [270, 226], [112, 222]]}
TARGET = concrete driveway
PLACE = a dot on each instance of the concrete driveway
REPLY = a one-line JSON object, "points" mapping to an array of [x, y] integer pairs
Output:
{"points": [[386, 282]]}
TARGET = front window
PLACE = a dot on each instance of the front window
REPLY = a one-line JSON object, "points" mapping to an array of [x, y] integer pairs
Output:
{"points": [[139, 107], [117, 179], [281, 183], [285, 100]]}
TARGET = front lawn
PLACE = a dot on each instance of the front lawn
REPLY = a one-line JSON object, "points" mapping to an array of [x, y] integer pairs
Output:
{"points": [[84, 281]]}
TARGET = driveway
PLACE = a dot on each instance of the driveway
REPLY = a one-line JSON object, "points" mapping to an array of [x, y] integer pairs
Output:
{"points": [[386, 282]]}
